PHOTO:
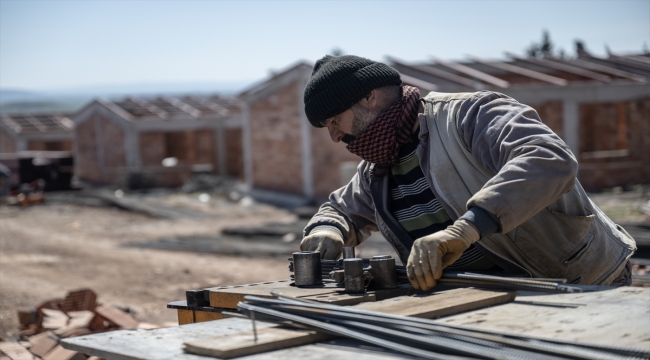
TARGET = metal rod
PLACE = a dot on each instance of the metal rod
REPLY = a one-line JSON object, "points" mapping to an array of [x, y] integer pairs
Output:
{"points": [[340, 330], [326, 309], [254, 327]]}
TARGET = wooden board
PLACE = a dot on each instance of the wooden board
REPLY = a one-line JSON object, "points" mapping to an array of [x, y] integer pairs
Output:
{"points": [[268, 339], [201, 316], [228, 296], [619, 317], [185, 316], [426, 306], [167, 344]]}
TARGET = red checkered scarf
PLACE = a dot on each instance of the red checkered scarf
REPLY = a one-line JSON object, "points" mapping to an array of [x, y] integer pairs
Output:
{"points": [[379, 143]]}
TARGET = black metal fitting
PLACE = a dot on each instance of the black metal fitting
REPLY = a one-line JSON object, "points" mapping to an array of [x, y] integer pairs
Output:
{"points": [[355, 277], [384, 274], [307, 268]]}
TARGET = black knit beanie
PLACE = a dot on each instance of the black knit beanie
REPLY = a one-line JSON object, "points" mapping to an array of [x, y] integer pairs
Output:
{"points": [[339, 82]]}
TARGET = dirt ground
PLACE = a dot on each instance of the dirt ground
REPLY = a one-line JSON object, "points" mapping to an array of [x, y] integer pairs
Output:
{"points": [[134, 260], [48, 250]]}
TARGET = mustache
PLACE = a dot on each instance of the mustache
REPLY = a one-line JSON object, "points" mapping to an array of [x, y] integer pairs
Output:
{"points": [[348, 138]]}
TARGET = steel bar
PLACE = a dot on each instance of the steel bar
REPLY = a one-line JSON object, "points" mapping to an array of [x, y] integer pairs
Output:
{"points": [[572, 352], [340, 330], [325, 308]]}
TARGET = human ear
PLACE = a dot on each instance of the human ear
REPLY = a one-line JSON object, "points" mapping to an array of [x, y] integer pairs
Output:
{"points": [[369, 101]]}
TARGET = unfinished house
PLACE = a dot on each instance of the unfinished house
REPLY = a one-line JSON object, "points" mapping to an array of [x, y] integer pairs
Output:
{"points": [[162, 141], [599, 106], [38, 132]]}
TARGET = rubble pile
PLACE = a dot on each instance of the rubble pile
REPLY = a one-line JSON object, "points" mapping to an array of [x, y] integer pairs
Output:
{"points": [[75, 315]]}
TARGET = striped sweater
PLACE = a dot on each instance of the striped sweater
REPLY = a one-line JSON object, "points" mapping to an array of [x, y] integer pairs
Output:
{"points": [[417, 209]]}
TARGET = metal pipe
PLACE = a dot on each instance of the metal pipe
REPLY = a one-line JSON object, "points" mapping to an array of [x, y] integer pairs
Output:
{"points": [[307, 268], [354, 279], [348, 252], [382, 269]]}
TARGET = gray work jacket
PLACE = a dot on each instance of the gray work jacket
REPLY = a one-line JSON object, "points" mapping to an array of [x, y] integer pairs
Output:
{"points": [[485, 149]]}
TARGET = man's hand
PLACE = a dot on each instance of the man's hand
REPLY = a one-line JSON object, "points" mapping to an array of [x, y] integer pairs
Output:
{"points": [[432, 253], [324, 239]]}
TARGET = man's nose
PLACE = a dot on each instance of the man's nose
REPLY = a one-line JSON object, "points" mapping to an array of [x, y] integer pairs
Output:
{"points": [[335, 133]]}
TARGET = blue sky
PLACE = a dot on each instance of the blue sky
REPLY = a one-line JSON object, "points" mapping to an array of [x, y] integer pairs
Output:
{"points": [[56, 44]]}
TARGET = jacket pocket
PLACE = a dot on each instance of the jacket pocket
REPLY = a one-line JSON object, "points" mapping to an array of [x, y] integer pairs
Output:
{"points": [[582, 248], [552, 241]]}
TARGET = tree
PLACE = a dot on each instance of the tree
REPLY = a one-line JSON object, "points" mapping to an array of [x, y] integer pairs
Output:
{"points": [[542, 50]]}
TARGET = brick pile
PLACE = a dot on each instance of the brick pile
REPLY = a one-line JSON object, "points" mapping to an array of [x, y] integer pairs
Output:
{"points": [[75, 315]]}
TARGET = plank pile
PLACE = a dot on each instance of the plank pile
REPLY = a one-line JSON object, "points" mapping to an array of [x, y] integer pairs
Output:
{"points": [[76, 314]]}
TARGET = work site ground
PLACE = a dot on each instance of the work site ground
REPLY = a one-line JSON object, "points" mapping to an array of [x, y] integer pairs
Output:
{"points": [[139, 251]]}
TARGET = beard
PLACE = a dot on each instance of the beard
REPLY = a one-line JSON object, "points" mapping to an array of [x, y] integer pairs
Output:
{"points": [[362, 119]]}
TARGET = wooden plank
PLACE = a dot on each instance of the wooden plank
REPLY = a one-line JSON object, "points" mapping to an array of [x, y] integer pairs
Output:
{"points": [[185, 316], [227, 297], [243, 343], [617, 317], [441, 304], [201, 316], [425, 306], [167, 343]]}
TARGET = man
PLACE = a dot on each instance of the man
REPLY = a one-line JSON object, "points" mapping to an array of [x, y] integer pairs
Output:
{"points": [[467, 181]]}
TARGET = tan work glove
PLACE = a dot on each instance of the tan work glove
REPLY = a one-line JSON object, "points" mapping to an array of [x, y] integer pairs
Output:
{"points": [[432, 253], [326, 239]]}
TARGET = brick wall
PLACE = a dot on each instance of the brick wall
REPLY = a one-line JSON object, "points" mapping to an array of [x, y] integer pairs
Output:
{"points": [[113, 143], [234, 154], [551, 114], [42, 145], [189, 147], [622, 127], [326, 159], [152, 148], [87, 162], [276, 142], [7, 142], [204, 143]]}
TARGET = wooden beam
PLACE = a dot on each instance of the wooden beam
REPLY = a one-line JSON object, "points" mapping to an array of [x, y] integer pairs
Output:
{"points": [[472, 72], [63, 121], [150, 107], [219, 109], [439, 73], [606, 69], [522, 71], [418, 83], [185, 316], [563, 67], [183, 106], [11, 124], [643, 59], [37, 123]]}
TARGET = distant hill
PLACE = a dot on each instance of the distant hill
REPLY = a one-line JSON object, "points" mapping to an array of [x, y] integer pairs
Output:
{"points": [[42, 106], [73, 99]]}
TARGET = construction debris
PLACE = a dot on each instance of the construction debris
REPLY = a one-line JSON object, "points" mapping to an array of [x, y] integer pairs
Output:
{"points": [[75, 315]]}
